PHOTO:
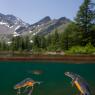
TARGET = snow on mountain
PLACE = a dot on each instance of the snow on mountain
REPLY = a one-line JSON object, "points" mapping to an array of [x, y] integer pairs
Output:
{"points": [[11, 26], [12, 22]]}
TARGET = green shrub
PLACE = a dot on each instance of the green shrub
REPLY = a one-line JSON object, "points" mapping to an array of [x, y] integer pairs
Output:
{"points": [[88, 49], [53, 48]]}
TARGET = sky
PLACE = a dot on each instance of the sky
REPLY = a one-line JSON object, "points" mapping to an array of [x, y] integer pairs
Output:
{"points": [[32, 11]]}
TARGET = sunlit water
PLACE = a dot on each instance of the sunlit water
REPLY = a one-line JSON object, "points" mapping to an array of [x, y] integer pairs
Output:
{"points": [[52, 75]]}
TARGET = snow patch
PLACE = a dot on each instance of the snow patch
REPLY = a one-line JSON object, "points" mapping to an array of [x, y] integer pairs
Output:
{"points": [[3, 23], [17, 27], [21, 22], [11, 27], [38, 25], [30, 31], [16, 34], [34, 34]]}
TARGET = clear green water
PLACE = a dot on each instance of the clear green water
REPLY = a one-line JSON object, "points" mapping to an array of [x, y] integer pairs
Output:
{"points": [[54, 81]]}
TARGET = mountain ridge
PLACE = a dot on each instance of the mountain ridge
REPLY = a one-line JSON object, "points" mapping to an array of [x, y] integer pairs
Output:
{"points": [[48, 26], [14, 26]]}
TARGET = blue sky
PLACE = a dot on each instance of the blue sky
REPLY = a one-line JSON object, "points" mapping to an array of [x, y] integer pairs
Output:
{"points": [[31, 11]]}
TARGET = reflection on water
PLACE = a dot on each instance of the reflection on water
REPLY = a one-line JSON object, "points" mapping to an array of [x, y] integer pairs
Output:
{"points": [[52, 75]]}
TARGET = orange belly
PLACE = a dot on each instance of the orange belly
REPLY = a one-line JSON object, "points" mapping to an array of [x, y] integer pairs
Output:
{"points": [[29, 83], [78, 86], [24, 85]]}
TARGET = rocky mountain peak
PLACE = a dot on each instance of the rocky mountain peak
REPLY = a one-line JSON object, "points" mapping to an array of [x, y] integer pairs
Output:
{"points": [[14, 26], [42, 21]]}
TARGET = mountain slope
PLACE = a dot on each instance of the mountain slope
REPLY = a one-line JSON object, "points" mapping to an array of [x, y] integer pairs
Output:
{"points": [[46, 26], [13, 26], [10, 24]]}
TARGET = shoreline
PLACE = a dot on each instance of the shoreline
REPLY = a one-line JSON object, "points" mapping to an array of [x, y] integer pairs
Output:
{"points": [[65, 58]]}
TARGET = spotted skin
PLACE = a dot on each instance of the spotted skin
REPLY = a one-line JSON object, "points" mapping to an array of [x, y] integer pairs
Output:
{"points": [[26, 83], [80, 83]]}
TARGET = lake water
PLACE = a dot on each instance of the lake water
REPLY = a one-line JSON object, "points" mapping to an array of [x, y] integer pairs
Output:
{"points": [[52, 75]]}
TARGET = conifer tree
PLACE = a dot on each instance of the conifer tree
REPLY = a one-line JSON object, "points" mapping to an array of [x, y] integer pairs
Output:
{"points": [[85, 19]]}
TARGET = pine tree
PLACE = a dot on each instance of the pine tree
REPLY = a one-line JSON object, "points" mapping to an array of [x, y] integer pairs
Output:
{"points": [[27, 43], [42, 42], [92, 35], [36, 41], [55, 41], [48, 40], [85, 19]]}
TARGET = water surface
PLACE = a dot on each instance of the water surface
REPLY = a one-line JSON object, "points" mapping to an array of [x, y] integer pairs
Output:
{"points": [[52, 75]]}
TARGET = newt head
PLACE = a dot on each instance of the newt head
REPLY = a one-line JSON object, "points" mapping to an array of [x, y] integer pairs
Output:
{"points": [[71, 75]]}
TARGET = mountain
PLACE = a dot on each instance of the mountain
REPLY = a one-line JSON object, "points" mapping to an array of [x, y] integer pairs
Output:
{"points": [[48, 25], [9, 25], [13, 26], [42, 21]]}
